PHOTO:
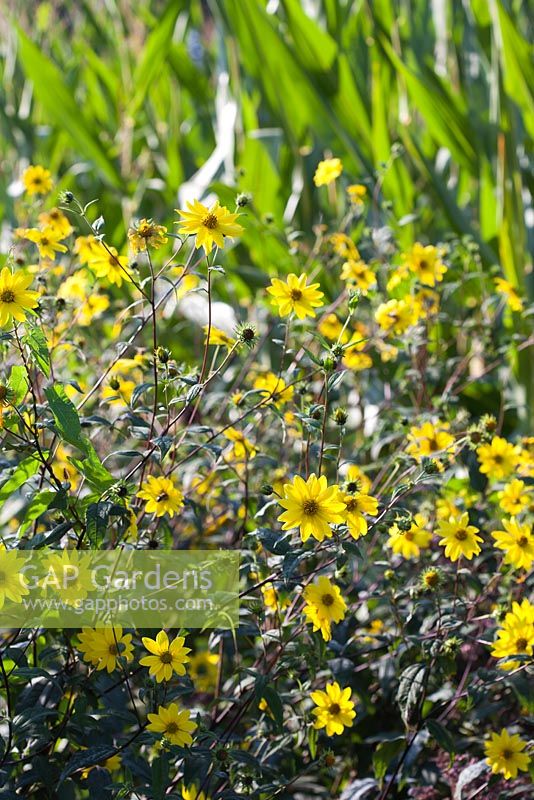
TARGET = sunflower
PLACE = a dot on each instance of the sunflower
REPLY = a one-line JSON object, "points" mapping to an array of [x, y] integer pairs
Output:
{"points": [[425, 263], [102, 647], [294, 295], [175, 725], [312, 506], [324, 605], [518, 542], [37, 180], [335, 710], [505, 754], [162, 496], [210, 225], [498, 459], [15, 298], [167, 657], [459, 538]]}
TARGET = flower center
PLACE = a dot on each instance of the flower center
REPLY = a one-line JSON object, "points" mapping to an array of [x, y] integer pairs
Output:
{"points": [[521, 644], [353, 486], [506, 754], [7, 296], [113, 650], [327, 600], [310, 507], [161, 497], [523, 541], [497, 459], [172, 727], [210, 221], [461, 535], [423, 263], [408, 536], [166, 658], [295, 294], [334, 708], [352, 505]]}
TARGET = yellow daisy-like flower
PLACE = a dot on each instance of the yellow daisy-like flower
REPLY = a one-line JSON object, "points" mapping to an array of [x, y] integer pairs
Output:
{"points": [[210, 225], [37, 180], [459, 537], [429, 439], [331, 328], [102, 647], [13, 584], [57, 221], [218, 337], [324, 606], [359, 274], [87, 248], [498, 459], [427, 302], [92, 308], [335, 710], [274, 389], [357, 193], [147, 234], [409, 543], [505, 754], [356, 505], [162, 495], [203, 670], [110, 265], [344, 246], [175, 725], [118, 391], [242, 449], [425, 263], [516, 634], [167, 657], [48, 241], [518, 542], [515, 303], [396, 315], [312, 506], [327, 171], [15, 298], [356, 481], [514, 498], [294, 295], [192, 793]]}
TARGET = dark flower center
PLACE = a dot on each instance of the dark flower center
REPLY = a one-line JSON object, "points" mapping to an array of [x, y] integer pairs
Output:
{"points": [[461, 535], [310, 507], [161, 497], [7, 296], [210, 221], [327, 600], [296, 294], [523, 541], [521, 644], [172, 727], [166, 658], [334, 708]]}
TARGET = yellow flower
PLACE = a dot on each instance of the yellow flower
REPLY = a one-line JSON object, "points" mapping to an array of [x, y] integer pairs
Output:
{"points": [[516, 635], [459, 538], [57, 221], [47, 241], [356, 505], [273, 389], [357, 193], [498, 459], [427, 302], [356, 480], [410, 543], [93, 307], [192, 793], [514, 498], [312, 506], [167, 657], [358, 273], [505, 754], [429, 439], [518, 543], [295, 295], [210, 225], [15, 298], [512, 298], [203, 670], [397, 277], [63, 469], [68, 575], [396, 315], [75, 287], [37, 180], [218, 337], [425, 263], [331, 328], [87, 248], [344, 246], [324, 606], [243, 448], [327, 171], [147, 234], [162, 496], [175, 725], [335, 710], [102, 647], [119, 391], [355, 360], [13, 585], [110, 265]]}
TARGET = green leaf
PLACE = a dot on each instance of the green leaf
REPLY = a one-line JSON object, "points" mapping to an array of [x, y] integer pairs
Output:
{"points": [[36, 341], [384, 754], [411, 692], [87, 758], [62, 108], [23, 471], [66, 417], [276, 708], [18, 383], [441, 735], [93, 470], [37, 506]]}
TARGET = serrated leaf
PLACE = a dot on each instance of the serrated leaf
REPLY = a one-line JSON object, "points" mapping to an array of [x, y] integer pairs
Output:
{"points": [[37, 344]]}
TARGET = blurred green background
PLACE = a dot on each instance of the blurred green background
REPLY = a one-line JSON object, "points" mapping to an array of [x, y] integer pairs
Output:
{"points": [[430, 101]]}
